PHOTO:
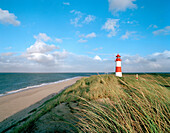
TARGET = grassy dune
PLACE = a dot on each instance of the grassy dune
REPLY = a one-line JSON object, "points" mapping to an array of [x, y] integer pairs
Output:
{"points": [[106, 103]]}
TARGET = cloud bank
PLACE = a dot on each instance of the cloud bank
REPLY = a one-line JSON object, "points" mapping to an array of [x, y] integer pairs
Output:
{"points": [[157, 62], [44, 57]]}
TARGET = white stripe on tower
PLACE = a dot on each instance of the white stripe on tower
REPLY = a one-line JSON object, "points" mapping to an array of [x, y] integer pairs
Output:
{"points": [[118, 63]]}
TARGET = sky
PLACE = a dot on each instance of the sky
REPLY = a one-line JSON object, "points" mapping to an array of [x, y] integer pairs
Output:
{"points": [[84, 35]]}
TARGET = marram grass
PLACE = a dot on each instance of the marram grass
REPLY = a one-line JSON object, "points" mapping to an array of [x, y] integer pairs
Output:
{"points": [[135, 106]]}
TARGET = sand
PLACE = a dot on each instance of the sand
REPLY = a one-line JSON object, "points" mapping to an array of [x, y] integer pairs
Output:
{"points": [[13, 103]]}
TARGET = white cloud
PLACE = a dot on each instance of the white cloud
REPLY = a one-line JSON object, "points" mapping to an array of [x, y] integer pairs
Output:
{"points": [[47, 59], [111, 26], [8, 18], [40, 47], [96, 49], [81, 18], [89, 19], [66, 3], [82, 41], [58, 40], [165, 54], [121, 5], [152, 26], [76, 20], [42, 36], [127, 35], [164, 31], [90, 35], [42, 53], [41, 58], [97, 58]]}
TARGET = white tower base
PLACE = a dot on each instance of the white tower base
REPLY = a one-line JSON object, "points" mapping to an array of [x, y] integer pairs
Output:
{"points": [[118, 74]]}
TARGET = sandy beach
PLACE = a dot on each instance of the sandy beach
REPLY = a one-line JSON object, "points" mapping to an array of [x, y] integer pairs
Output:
{"points": [[13, 103]]}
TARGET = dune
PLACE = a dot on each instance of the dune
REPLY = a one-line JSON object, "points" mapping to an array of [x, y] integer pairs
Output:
{"points": [[102, 103]]}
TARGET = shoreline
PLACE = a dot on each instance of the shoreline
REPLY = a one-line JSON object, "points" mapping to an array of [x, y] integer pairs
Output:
{"points": [[12, 103], [34, 86]]}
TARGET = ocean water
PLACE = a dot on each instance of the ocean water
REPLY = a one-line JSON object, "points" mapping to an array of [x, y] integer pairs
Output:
{"points": [[15, 82]]}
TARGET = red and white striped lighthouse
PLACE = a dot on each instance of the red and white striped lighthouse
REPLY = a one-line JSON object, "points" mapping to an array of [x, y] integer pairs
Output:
{"points": [[118, 66]]}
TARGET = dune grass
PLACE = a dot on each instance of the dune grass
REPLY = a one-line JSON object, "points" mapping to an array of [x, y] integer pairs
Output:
{"points": [[135, 106], [111, 104]]}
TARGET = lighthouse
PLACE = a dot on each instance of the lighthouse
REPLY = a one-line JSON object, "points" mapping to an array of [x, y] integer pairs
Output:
{"points": [[118, 71]]}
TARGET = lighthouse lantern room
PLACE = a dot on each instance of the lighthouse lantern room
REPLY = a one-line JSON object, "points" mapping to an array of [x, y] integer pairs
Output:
{"points": [[118, 71]]}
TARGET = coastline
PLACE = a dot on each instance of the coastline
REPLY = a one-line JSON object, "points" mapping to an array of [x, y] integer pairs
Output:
{"points": [[35, 86], [15, 102]]}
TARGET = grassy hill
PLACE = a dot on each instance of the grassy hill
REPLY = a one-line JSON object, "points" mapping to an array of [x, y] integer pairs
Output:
{"points": [[105, 103]]}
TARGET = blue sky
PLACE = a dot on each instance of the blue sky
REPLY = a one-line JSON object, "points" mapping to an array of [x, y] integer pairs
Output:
{"points": [[84, 35]]}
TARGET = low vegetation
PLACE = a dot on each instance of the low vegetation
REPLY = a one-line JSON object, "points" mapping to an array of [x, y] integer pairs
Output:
{"points": [[105, 103]]}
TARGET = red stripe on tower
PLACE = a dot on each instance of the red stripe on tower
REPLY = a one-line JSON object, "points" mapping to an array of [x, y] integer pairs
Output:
{"points": [[118, 66], [118, 69]]}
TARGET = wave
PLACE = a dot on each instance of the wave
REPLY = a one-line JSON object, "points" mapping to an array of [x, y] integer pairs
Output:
{"points": [[36, 86]]}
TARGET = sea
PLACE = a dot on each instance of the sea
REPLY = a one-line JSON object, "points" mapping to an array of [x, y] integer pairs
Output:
{"points": [[16, 82]]}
